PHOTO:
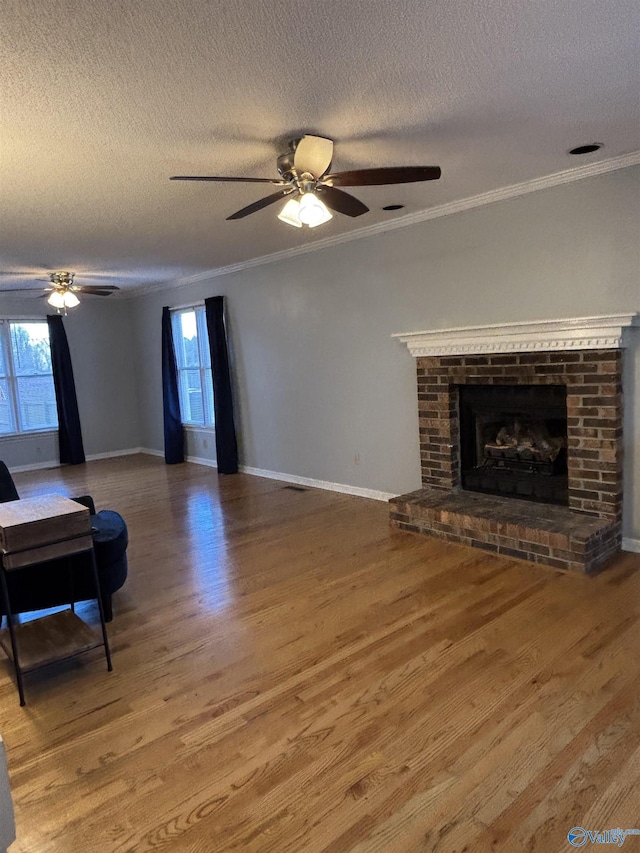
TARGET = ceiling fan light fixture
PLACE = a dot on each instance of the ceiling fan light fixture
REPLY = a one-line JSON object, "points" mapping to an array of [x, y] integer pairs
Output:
{"points": [[56, 299], [63, 299], [289, 213], [311, 211]]}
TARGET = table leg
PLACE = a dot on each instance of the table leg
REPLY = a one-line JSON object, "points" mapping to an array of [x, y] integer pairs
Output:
{"points": [[72, 594], [103, 625], [12, 634]]}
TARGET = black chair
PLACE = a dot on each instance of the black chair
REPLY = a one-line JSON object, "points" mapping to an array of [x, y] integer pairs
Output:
{"points": [[49, 584]]}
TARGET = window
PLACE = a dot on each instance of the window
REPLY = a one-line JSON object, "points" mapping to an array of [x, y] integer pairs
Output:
{"points": [[195, 385], [27, 395]]}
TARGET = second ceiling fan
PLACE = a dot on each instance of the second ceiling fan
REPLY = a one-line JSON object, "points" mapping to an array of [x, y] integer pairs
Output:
{"points": [[304, 171]]}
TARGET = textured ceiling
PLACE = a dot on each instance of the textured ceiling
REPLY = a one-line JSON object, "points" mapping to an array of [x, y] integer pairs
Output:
{"points": [[103, 100]]}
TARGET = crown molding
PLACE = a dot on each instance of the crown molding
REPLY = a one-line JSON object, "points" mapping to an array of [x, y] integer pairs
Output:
{"points": [[568, 176], [611, 331]]}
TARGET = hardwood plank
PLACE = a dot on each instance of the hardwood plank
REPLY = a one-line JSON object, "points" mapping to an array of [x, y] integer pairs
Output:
{"points": [[293, 675]]}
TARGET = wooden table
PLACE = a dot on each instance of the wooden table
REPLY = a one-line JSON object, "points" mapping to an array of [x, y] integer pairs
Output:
{"points": [[33, 531]]}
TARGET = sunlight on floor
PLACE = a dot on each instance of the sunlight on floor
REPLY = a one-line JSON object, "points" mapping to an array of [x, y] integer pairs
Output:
{"points": [[206, 528]]}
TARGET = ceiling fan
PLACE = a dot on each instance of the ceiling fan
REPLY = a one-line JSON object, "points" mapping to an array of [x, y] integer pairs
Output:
{"points": [[304, 171], [62, 291]]}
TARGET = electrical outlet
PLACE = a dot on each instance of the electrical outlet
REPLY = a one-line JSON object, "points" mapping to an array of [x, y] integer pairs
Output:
{"points": [[205, 443], [356, 459]]}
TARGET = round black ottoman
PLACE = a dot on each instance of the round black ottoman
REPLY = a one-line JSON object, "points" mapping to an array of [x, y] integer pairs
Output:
{"points": [[110, 540]]}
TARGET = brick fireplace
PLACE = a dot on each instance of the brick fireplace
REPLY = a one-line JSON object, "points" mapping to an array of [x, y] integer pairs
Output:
{"points": [[563, 507]]}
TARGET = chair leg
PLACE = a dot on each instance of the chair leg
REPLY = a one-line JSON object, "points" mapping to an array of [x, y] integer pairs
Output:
{"points": [[107, 606]]}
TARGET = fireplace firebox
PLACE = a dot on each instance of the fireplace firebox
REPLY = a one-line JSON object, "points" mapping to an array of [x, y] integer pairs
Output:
{"points": [[513, 441]]}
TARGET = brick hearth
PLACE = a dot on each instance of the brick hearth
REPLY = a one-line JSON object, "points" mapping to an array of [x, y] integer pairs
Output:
{"points": [[582, 536]]}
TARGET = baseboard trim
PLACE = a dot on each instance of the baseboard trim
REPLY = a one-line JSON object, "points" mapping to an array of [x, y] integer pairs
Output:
{"points": [[36, 466], [196, 460], [343, 488], [201, 460], [90, 457], [310, 482], [632, 545], [130, 451]]}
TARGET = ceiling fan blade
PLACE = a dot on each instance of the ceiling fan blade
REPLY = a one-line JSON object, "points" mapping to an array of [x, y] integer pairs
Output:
{"points": [[9, 290], [95, 291], [313, 154], [94, 275], [276, 181], [88, 288], [258, 205], [388, 175], [341, 202]]}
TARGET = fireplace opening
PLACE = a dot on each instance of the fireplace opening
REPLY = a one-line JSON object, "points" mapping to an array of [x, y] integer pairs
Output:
{"points": [[513, 441]]}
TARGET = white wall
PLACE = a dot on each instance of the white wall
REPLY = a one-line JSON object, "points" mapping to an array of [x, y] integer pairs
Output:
{"points": [[319, 380], [100, 336], [101, 341]]}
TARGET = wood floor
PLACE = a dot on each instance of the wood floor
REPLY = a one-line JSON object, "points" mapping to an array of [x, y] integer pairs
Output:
{"points": [[290, 675]]}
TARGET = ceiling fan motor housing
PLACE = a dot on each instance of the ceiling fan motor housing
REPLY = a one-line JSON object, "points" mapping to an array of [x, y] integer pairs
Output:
{"points": [[61, 279], [286, 167]]}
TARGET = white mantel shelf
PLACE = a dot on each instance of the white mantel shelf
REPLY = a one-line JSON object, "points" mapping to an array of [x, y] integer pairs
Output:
{"points": [[582, 333]]}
